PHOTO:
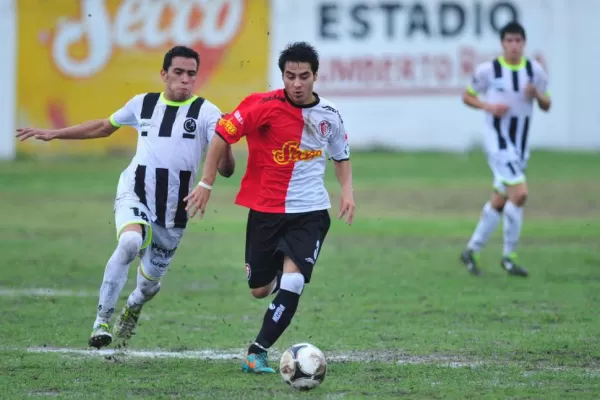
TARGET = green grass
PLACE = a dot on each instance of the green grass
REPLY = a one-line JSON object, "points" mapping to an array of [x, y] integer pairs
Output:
{"points": [[389, 288]]}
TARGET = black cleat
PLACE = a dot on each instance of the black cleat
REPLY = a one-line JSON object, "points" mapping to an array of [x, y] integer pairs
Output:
{"points": [[509, 264], [469, 259]]}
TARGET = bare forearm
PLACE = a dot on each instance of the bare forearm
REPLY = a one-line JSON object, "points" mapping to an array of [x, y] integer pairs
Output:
{"points": [[343, 173], [88, 130], [216, 150], [544, 102], [226, 165], [474, 102]]}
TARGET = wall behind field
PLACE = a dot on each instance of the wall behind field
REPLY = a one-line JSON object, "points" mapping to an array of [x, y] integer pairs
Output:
{"points": [[395, 69], [81, 60]]}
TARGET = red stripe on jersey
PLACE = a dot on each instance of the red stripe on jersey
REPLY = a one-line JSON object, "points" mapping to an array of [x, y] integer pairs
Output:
{"points": [[271, 154]]}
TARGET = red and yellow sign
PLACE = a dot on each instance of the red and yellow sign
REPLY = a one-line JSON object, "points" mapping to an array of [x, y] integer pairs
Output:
{"points": [[291, 152], [83, 60]]}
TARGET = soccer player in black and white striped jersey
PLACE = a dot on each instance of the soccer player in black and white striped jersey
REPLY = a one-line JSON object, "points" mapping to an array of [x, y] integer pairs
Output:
{"points": [[174, 128], [511, 84]]}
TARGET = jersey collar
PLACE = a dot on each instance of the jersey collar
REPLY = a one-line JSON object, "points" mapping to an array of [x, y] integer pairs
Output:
{"points": [[512, 67], [314, 103], [177, 103]]}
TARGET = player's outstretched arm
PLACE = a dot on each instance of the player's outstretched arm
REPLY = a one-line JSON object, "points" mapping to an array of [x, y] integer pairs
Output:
{"points": [[217, 151], [343, 172], [197, 200], [88, 130], [226, 165]]}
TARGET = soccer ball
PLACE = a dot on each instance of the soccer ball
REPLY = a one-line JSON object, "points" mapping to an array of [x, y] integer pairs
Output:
{"points": [[303, 366]]}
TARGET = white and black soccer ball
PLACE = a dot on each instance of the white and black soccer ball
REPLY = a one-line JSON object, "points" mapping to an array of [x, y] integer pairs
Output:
{"points": [[303, 366]]}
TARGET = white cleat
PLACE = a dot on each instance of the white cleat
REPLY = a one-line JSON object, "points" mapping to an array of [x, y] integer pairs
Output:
{"points": [[100, 336]]}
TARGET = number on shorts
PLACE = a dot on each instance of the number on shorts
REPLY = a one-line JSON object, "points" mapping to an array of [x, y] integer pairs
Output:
{"points": [[138, 213]]}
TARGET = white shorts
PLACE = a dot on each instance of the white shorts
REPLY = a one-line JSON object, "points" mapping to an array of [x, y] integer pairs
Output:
{"points": [[508, 170], [159, 244]]}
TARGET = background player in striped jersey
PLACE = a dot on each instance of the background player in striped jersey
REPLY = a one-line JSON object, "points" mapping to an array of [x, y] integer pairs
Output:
{"points": [[288, 131], [511, 83], [174, 127]]}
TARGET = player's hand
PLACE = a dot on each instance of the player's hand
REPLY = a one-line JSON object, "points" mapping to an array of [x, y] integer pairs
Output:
{"points": [[347, 206], [196, 201], [497, 110], [40, 134], [531, 90]]}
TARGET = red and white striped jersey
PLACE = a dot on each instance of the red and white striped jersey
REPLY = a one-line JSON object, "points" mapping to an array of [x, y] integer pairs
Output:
{"points": [[286, 151]]}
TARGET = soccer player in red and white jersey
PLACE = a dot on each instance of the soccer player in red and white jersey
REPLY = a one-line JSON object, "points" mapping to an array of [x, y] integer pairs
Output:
{"points": [[288, 132]]}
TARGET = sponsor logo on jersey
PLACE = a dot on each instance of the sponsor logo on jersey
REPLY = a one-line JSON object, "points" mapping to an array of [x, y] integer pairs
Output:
{"points": [[228, 126], [291, 152], [189, 125]]}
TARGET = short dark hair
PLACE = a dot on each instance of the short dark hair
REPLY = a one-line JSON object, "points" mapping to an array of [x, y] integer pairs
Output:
{"points": [[514, 28], [180, 51], [299, 52]]}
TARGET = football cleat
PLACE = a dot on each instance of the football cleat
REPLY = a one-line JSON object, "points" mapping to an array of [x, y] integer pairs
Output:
{"points": [[126, 323], [100, 336], [257, 363], [509, 264], [469, 258]]}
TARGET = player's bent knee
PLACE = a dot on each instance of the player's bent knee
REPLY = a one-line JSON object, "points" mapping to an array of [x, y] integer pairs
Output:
{"points": [[261, 292], [497, 202], [520, 199], [292, 282], [130, 242], [518, 195]]}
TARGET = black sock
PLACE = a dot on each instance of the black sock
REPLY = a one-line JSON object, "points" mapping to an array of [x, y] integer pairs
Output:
{"points": [[277, 318], [255, 348]]}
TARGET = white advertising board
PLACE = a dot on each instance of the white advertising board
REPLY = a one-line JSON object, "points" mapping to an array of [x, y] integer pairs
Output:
{"points": [[396, 69], [8, 78]]}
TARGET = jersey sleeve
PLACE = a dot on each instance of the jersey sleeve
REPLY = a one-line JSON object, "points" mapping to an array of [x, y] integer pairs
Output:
{"points": [[540, 78], [479, 80], [210, 114], [337, 143], [127, 115], [247, 117]]}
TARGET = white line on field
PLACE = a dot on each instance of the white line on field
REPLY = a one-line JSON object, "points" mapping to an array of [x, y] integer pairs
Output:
{"points": [[43, 292], [237, 354]]}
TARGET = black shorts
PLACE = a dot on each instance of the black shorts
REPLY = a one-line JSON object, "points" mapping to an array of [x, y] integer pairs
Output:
{"points": [[270, 236]]}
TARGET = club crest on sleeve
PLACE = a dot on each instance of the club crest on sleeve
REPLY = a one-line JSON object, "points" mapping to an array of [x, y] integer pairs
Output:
{"points": [[325, 127], [248, 271], [189, 125]]}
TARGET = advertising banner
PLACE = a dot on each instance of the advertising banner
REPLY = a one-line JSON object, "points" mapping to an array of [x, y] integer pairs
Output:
{"points": [[81, 60], [396, 69]]}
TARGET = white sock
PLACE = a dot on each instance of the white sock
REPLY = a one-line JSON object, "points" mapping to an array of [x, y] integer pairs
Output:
{"points": [[513, 221], [115, 274], [144, 291], [489, 220]]}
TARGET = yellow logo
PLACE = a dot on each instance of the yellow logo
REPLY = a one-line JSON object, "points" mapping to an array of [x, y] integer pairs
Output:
{"points": [[291, 152], [228, 125]]}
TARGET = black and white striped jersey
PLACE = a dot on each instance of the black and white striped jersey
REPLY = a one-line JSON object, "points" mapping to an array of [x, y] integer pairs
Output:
{"points": [[501, 82], [172, 136]]}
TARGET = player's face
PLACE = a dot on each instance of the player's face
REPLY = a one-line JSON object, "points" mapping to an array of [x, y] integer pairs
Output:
{"points": [[298, 80], [180, 78], [513, 45]]}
